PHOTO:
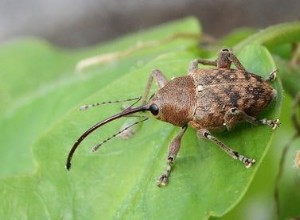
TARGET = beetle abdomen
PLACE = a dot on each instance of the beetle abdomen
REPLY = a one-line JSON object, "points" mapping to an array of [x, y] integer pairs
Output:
{"points": [[218, 90]]}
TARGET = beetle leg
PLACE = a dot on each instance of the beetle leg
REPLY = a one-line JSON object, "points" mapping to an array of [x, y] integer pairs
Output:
{"points": [[159, 78], [234, 114], [236, 62], [194, 64], [173, 150], [234, 154], [226, 57], [224, 60]]}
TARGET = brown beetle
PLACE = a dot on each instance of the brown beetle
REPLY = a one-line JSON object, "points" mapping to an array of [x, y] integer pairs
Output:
{"points": [[205, 99]]}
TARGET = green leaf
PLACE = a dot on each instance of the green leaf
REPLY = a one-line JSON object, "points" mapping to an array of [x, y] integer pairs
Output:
{"points": [[259, 202], [236, 36], [273, 36], [119, 180], [38, 84], [289, 75]]}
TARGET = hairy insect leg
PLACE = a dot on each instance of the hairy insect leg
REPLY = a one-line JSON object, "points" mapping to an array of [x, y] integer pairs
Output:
{"points": [[173, 150], [234, 154], [226, 58], [159, 78], [194, 64], [234, 115]]}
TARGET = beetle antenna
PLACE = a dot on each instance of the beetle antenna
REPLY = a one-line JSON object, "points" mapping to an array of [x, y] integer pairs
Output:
{"points": [[96, 147], [88, 106], [127, 111]]}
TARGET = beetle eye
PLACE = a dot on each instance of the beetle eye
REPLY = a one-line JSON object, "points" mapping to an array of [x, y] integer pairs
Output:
{"points": [[154, 109]]}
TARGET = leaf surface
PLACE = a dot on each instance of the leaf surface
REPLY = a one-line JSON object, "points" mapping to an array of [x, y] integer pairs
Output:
{"points": [[119, 181]]}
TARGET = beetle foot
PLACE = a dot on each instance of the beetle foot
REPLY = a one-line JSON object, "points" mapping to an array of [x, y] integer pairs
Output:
{"points": [[163, 180], [274, 124], [248, 162]]}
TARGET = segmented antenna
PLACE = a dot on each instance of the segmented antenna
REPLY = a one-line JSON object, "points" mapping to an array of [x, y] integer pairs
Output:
{"points": [[88, 106], [96, 147]]}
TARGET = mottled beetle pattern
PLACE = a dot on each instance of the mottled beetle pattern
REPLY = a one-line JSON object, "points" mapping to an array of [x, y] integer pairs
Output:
{"points": [[205, 99]]}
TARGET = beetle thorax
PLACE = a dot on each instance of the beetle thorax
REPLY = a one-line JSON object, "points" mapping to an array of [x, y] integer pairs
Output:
{"points": [[176, 101]]}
